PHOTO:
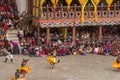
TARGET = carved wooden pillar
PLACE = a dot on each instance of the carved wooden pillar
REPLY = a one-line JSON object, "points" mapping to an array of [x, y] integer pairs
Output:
{"points": [[48, 35], [38, 40], [100, 34], [73, 34], [30, 5]]}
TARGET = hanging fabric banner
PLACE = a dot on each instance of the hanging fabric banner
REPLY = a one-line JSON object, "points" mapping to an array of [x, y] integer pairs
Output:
{"points": [[68, 3], [95, 3], [54, 2], [83, 3], [41, 3], [109, 2]]}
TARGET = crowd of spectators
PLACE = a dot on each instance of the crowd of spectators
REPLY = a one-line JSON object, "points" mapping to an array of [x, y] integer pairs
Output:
{"points": [[60, 47], [85, 43], [8, 13]]}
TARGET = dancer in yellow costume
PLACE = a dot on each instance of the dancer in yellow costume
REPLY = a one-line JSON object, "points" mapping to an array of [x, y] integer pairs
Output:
{"points": [[52, 59], [21, 71], [116, 63]]}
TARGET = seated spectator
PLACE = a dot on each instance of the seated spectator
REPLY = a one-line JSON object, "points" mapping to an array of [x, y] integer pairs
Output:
{"points": [[115, 52], [5, 6], [100, 51], [89, 49], [62, 51], [46, 50], [107, 51], [84, 52], [96, 49], [37, 54], [74, 51], [31, 51], [68, 52], [81, 48]]}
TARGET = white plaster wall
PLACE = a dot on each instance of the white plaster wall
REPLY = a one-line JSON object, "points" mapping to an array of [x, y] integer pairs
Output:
{"points": [[21, 5]]}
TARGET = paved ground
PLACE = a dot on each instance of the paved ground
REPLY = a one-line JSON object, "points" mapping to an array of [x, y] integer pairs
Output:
{"points": [[73, 67]]}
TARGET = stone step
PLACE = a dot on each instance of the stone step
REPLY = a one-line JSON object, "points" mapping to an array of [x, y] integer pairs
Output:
{"points": [[12, 35], [12, 32], [13, 39]]}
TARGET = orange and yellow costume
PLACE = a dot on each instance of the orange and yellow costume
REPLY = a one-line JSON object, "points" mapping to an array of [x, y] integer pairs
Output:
{"points": [[53, 60], [21, 71], [24, 69], [116, 65], [19, 79]]}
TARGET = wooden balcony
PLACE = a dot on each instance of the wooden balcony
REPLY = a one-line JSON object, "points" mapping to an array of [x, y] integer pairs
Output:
{"points": [[60, 16]]}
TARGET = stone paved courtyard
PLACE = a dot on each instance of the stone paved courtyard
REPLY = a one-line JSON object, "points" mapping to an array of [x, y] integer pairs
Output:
{"points": [[73, 67]]}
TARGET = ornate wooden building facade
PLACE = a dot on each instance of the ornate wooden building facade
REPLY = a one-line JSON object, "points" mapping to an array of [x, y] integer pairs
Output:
{"points": [[85, 13]]}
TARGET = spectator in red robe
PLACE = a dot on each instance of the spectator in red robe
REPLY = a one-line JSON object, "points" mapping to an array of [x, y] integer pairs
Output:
{"points": [[6, 27], [62, 51], [46, 50], [2, 9], [5, 7]]}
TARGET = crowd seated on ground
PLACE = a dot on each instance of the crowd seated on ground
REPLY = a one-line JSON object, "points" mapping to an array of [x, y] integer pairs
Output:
{"points": [[85, 43]]}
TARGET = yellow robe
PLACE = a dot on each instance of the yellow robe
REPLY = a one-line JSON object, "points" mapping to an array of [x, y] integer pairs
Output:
{"points": [[25, 68], [19, 79], [52, 60], [116, 65]]}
